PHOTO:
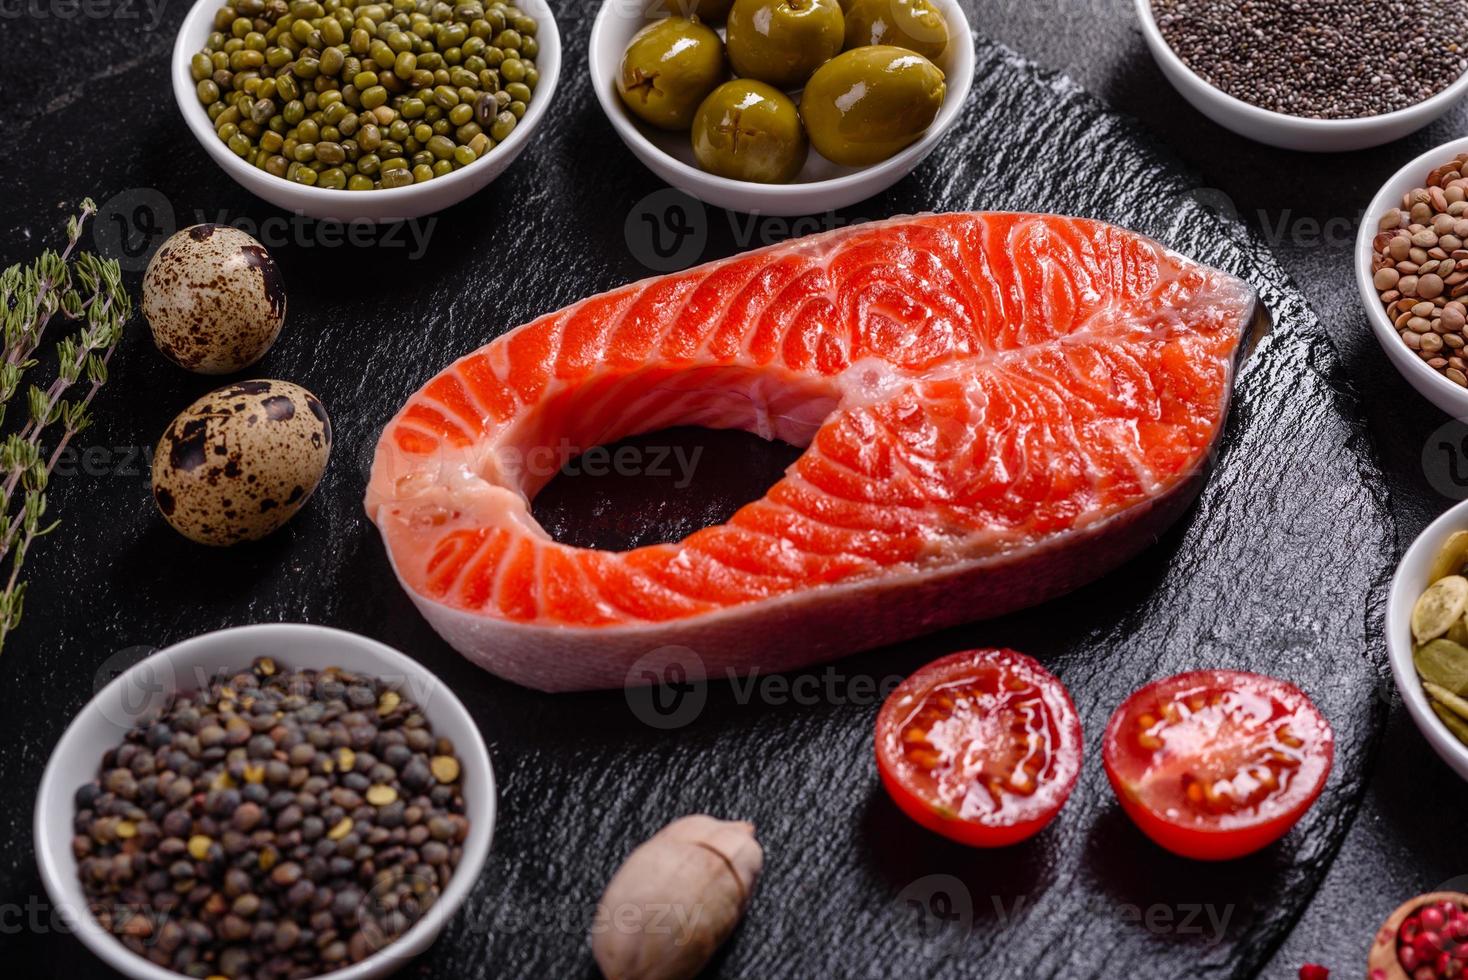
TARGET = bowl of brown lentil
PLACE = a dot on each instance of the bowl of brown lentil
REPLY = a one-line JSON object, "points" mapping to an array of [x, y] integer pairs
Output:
{"points": [[1412, 272], [276, 800], [365, 110], [1325, 77]]}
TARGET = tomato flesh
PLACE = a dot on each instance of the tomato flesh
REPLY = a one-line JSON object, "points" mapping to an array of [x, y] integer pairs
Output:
{"points": [[1216, 764], [983, 747]]}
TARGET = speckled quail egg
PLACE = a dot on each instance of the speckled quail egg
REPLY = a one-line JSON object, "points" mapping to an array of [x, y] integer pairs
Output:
{"points": [[239, 462], [214, 299]]}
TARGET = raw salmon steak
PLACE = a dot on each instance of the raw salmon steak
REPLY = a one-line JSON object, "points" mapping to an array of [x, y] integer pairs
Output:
{"points": [[995, 409]]}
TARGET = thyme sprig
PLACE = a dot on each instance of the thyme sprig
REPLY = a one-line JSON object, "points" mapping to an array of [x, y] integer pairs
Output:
{"points": [[80, 288]]}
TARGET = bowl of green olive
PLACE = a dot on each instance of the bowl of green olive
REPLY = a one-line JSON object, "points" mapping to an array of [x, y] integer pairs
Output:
{"points": [[781, 107], [365, 110]]}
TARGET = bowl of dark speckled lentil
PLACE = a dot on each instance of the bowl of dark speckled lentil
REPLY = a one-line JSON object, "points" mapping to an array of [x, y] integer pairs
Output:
{"points": [[1328, 76], [268, 801], [1385, 219]]}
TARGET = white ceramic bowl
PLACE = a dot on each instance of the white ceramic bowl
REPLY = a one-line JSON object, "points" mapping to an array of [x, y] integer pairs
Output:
{"points": [[1409, 583], [1279, 129], [389, 204], [1431, 385], [821, 185], [188, 665]]}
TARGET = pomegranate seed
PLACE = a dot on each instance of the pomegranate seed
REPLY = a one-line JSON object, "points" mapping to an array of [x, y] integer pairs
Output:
{"points": [[1314, 971], [1427, 944], [1433, 918], [1447, 908], [1408, 956], [1424, 973], [1443, 960], [1409, 929]]}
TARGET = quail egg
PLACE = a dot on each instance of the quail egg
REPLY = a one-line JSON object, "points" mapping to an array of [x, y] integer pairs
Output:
{"points": [[214, 299], [239, 462]]}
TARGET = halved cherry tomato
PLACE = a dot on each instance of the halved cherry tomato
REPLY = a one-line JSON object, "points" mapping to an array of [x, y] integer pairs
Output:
{"points": [[982, 746], [1215, 764]]}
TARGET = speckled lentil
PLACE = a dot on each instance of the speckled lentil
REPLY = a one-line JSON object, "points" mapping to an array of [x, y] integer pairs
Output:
{"points": [[1420, 268], [279, 824], [1326, 59]]}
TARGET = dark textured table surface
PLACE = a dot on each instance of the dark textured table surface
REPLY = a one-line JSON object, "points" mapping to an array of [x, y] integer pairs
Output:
{"points": [[1330, 465]]}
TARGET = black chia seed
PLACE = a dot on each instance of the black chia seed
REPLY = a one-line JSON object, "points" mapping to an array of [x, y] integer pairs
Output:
{"points": [[1327, 59], [280, 824]]}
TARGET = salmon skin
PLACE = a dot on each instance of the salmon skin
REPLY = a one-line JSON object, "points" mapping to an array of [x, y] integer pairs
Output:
{"points": [[995, 409]]}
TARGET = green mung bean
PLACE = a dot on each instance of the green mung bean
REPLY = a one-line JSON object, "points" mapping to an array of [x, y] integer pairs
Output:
{"points": [[362, 95]]}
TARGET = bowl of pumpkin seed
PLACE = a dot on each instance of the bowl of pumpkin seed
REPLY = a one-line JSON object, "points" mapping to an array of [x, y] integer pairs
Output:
{"points": [[375, 110], [1427, 635]]}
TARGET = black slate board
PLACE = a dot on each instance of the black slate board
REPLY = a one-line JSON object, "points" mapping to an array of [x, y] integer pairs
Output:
{"points": [[1275, 569]]}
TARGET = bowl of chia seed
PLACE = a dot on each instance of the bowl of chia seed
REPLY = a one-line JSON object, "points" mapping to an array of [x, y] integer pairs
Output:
{"points": [[273, 801], [1329, 76]]}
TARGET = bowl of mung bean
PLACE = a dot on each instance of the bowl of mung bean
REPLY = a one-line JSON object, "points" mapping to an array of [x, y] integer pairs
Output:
{"points": [[1411, 264], [275, 800], [1322, 77], [365, 110]]}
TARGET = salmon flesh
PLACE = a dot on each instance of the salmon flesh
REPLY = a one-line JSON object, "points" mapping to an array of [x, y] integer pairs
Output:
{"points": [[995, 409]]}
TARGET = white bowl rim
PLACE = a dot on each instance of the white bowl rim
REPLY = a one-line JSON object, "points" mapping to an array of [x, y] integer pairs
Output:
{"points": [[901, 162], [1375, 312], [197, 119], [1259, 114], [1399, 646], [418, 938]]}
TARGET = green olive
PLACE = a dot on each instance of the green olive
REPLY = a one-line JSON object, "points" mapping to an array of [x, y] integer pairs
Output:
{"points": [[747, 130], [913, 24], [708, 11], [667, 70], [866, 104], [782, 41]]}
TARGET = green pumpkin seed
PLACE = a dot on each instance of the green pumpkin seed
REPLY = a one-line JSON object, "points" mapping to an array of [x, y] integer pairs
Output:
{"points": [[1446, 698], [1438, 607], [1444, 663], [1454, 724], [1451, 557]]}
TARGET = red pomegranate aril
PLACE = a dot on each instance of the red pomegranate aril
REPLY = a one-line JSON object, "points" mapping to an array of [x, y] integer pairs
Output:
{"points": [[1409, 958], [1428, 944], [1443, 962], [1314, 971], [1424, 972], [1408, 931], [1433, 918]]}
